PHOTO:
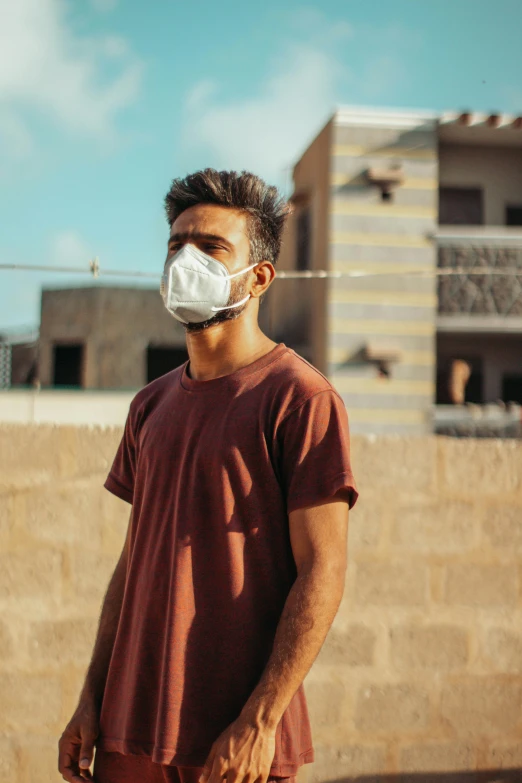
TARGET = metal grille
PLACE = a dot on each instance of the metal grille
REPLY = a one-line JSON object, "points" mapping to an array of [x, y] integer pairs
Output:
{"points": [[5, 365], [478, 421], [483, 293]]}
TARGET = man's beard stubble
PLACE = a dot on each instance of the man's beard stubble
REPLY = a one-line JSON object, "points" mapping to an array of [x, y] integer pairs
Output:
{"points": [[238, 291]]}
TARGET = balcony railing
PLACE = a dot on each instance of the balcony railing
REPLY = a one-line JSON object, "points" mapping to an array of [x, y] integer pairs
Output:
{"points": [[486, 272], [479, 421]]}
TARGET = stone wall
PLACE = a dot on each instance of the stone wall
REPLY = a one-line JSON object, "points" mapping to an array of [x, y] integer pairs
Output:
{"points": [[422, 672]]}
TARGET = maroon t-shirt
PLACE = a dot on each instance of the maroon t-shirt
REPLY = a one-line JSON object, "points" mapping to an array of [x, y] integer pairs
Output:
{"points": [[212, 469]]}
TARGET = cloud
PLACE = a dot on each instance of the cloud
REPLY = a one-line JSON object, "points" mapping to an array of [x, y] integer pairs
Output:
{"points": [[14, 134], [48, 68], [68, 248], [382, 75], [266, 132]]}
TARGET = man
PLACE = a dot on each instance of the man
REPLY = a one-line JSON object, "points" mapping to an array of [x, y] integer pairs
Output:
{"points": [[238, 471]]}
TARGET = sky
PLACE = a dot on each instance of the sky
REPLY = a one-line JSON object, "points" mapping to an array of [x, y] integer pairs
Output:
{"points": [[104, 102]]}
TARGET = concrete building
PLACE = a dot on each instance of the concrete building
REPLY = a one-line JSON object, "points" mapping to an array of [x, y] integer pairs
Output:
{"points": [[108, 337], [397, 196], [104, 337]]}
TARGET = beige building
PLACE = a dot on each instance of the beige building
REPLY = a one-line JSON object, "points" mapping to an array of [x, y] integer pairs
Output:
{"points": [[383, 201], [385, 205]]}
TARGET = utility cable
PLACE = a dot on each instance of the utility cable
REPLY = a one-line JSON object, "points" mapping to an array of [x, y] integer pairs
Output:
{"points": [[96, 271]]}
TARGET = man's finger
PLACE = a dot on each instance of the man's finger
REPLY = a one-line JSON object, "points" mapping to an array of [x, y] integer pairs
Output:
{"points": [[219, 770], [67, 764], [68, 768], [207, 769], [86, 752], [233, 776]]}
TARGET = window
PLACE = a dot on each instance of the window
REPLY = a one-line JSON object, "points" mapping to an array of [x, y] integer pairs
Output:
{"points": [[451, 380], [162, 359], [303, 230], [461, 206], [514, 216], [68, 365], [512, 388]]}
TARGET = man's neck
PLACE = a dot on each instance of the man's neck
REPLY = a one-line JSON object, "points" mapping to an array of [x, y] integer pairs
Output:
{"points": [[225, 348]]}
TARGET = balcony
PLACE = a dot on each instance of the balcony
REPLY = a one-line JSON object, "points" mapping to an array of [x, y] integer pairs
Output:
{"points": [[478, 421], [482, 287]]}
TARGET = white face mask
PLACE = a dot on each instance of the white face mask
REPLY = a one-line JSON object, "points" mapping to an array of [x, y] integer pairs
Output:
{"points": [[195, 286]]}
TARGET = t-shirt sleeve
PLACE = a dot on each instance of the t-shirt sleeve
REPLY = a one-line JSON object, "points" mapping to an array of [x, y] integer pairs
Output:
{"points": [[120, 480], [314, 443]]}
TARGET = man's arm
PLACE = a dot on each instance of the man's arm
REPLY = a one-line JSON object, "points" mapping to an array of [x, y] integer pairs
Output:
{"points": [[319, 542], [76, 744]]}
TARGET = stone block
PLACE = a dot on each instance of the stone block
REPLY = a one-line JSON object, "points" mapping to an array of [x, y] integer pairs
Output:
{"points": [[96, 448], [435, 527], [365, 525], [115, 521], [6, 642], [35, 573], [90, 574], [353, 647], [30, 450], [438, 757], [503, 527], [392, 708], [344, 762], [391, 584], [6, 515], [392, 462], [39, 453], [61, 641], [40, 760], [29, 702], [324, 701], [70, 513], [437, 647], [471, 584], [506, 755], [503, 650], [8, 760], [473, 467], [481, 706]]}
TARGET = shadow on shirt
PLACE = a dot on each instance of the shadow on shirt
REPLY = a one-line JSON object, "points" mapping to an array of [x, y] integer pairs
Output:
{"points": [[242, 573]]}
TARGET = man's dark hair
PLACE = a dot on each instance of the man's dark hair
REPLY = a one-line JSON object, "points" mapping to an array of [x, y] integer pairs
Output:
{"points": [[263, 204]]}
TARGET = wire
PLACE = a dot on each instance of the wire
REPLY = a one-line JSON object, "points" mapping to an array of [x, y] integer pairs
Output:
{"points": [[93, 269], [96, 271]]}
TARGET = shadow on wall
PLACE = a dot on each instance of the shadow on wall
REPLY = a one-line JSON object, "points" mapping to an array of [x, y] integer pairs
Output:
{"points": [[484, 776]]}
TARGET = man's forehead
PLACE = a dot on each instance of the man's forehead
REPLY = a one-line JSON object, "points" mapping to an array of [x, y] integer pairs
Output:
{"points": [[211, 219]]}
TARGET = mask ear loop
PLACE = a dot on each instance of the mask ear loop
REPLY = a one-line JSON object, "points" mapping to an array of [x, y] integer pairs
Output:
{"points": [[242, 302], [229, 307], [241, 272]]}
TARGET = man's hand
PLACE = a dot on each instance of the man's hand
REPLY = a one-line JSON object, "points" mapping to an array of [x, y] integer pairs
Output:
{"points": [[244, 752], [76, 745]]}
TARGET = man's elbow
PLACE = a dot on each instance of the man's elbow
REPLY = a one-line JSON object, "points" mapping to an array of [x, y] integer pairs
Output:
{"points": [[329, 577], [336, 581]]}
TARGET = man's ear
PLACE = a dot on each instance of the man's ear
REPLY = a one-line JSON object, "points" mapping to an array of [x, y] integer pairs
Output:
{"points": [[265, 274]]}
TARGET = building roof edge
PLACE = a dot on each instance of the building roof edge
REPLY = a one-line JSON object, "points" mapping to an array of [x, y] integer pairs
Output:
{"points": [[396, 118]]}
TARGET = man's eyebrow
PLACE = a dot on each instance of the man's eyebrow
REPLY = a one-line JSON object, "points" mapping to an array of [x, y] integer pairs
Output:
{"points": [[187, 236]]}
